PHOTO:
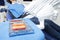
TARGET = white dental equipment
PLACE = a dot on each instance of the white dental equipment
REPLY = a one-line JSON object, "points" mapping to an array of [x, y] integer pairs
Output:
{"points": [[41, 9]]}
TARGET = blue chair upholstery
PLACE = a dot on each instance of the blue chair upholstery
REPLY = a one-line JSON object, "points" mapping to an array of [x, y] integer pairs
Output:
{"points": [[4, 32]]}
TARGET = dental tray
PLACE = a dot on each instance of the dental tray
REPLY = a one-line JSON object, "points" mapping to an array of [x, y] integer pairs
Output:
{"points": [[19, 27]]}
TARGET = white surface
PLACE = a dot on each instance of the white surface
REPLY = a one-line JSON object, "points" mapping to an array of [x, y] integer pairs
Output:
{"points": [[41, 26], [47, 10], [32, 7]]}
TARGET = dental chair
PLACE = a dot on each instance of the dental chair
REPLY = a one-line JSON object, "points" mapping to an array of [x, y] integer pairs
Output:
{"points": [[36, 36], [52, 29]]}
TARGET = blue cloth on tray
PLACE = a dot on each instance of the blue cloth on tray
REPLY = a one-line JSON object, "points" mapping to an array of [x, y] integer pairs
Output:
{"points": [[4, 32]]}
